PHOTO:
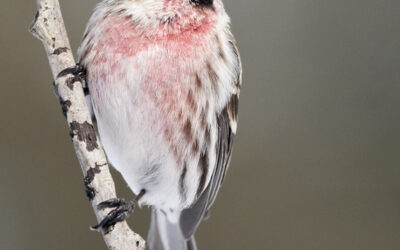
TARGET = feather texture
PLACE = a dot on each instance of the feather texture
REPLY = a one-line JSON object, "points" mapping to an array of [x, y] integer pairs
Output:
{"points": [[164, 80]]}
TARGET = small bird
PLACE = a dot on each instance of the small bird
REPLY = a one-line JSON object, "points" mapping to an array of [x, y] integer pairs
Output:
{"points": [[163, 79]]}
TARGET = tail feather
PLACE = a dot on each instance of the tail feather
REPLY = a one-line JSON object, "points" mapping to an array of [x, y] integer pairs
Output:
{"points": [[165, 235]]}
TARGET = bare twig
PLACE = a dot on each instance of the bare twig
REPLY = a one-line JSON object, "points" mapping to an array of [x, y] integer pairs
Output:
{"points": [[49, 28]]}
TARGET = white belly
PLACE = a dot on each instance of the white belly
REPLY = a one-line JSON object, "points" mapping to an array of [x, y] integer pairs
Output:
{"points": [[142, 104], [131, 127]]}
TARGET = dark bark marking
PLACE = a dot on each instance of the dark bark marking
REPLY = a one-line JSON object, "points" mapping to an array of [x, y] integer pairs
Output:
{"points": [[53, 45], [79, 75], [90, 174], [65, 105], [86, 133], [90, 192], [70, 82], [60, 50]]}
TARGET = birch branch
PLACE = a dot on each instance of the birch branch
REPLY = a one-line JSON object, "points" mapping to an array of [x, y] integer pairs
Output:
{"points": [[49, 28]]}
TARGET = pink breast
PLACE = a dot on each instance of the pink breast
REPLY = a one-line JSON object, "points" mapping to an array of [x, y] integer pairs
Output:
{"points": [[169, 81], [121, 36]]}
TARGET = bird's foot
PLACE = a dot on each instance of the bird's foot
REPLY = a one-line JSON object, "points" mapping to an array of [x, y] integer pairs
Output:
{"points": [[122, 210], [78, 71], [79, 75]]}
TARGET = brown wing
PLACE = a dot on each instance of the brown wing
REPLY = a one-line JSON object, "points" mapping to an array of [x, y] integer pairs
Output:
{"points": [[226, 121]]}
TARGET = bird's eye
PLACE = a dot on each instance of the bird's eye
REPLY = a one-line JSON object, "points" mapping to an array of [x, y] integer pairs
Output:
{"points": [[202, 3]]}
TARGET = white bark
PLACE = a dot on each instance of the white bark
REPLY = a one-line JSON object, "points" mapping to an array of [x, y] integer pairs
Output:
{"points": [[49, 28]]}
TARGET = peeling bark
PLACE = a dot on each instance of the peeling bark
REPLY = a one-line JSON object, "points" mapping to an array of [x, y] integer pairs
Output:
{"points": [[49, 28]]}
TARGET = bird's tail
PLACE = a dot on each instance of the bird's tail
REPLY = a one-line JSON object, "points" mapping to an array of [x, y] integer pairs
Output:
{"points": [[166, 235]]}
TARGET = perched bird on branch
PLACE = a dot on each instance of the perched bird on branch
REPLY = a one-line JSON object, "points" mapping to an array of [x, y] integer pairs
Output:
{"points": [[163, 79]]}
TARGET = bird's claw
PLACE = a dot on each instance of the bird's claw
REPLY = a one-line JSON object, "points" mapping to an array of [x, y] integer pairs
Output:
{"points": [[122, 210], [115, 202], [76, 70]]}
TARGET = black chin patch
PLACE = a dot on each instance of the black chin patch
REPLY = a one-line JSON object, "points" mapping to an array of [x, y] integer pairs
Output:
{"points": [[202, 3]]}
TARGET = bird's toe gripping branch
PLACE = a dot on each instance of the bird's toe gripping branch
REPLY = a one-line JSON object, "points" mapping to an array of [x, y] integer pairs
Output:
{"points": [[122, 210], [78, 71]]}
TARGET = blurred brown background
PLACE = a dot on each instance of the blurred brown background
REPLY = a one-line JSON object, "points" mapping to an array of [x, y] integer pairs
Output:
{"points": [[316, 162]]}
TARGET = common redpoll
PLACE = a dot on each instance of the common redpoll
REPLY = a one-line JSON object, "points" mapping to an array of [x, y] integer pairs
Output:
{"points": [[164, 78]]}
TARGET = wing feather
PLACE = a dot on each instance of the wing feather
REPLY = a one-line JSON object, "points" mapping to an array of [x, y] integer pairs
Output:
{"points": [[226, 121]]}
